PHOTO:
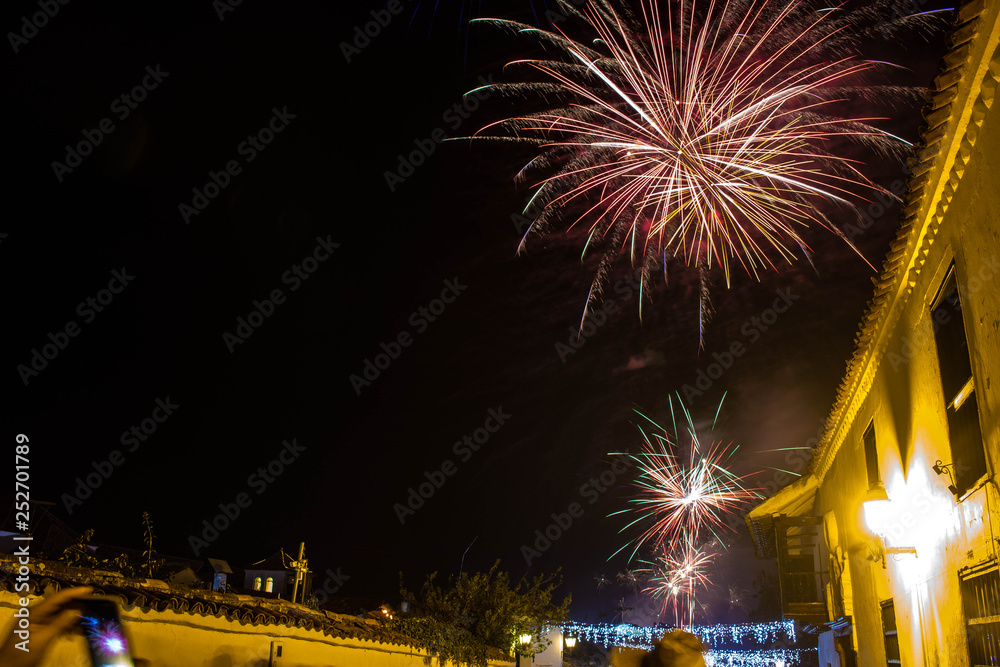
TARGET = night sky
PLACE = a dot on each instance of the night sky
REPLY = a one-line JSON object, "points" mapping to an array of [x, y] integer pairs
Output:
{"points": [[141, 284]]}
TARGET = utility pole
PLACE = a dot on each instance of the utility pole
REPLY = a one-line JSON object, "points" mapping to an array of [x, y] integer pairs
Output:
{"points": [[301, 566]]}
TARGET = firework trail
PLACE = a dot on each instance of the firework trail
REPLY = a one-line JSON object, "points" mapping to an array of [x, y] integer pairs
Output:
{"points": [[701, 131], [458, 15]]}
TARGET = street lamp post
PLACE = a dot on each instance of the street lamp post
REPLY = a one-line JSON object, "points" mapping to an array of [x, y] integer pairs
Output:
{"points": [[523, 640], [569, 641]]}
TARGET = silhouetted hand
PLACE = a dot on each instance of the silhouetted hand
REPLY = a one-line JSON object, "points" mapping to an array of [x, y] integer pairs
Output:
{"points": [[51, 618]]}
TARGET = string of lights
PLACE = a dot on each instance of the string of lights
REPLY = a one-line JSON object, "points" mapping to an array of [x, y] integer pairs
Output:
{"points": [[627, 635], [760, 633], [756, 658]]}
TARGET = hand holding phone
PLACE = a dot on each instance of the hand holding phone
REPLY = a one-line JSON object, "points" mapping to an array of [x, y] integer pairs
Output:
{"points": [[51, 618], [102, 627]]}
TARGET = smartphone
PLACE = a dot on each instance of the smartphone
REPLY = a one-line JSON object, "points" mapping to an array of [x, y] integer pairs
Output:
{"points": [[103, 630]]}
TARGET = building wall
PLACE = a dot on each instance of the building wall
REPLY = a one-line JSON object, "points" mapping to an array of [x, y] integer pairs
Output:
{"points": [[552, 656], [906, 402], [281, 580], [172, 639]]}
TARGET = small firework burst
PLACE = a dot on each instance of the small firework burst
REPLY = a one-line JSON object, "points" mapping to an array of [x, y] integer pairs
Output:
{"points": [[738, 598], [674, 577], [622, 611], [630, 579], [679, 502], [681, 507]]}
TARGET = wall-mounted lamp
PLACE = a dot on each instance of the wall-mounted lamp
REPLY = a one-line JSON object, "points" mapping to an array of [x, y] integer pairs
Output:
{"points": [[570, 641], [942, 468], [525, 639], [876, 506]]}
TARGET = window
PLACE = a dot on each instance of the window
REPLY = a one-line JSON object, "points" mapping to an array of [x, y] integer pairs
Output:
{"points": [[981, 601], [256, 583], [269, 586], [891, 635], [871, 455], [968, 455]]}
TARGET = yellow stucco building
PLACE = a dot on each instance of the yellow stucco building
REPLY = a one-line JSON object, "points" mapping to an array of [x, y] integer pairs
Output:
{"points": [[888, 545]]}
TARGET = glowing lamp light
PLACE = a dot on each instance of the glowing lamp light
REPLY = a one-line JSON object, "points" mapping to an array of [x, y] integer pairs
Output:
{"points": [[525, 639], [570, 641], [876, 507]]}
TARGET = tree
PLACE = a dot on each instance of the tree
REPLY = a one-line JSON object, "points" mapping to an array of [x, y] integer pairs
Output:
{"points": [[150, 562], [78, 555], [480, 614]]}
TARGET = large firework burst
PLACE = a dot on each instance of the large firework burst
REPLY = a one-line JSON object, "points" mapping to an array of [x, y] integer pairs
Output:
{"points": [[701, 131]]}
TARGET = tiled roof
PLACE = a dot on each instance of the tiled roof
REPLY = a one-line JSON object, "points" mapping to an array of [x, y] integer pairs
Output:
{"points": [[219, 566], [919, 225], [159, 596], [279, 560]]}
